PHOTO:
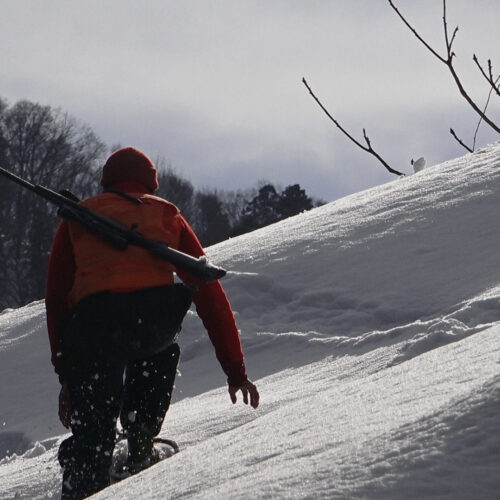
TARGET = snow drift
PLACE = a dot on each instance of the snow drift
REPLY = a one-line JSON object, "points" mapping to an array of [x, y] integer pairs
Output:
{"points": [[371, 326]]}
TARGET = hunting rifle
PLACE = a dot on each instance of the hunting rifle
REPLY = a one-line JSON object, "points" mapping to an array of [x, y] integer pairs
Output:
{"points": [[117, 234]]}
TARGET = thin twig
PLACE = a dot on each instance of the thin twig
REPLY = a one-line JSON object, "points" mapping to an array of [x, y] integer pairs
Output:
{"points": [[478, 123], [452, 132], [448, 61], [484, 111], [489, 76], [490, 70], [415, 33], [367, 148]]}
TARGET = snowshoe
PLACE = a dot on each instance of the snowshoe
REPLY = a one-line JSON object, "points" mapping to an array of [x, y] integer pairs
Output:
{"points": [[122, 467]]}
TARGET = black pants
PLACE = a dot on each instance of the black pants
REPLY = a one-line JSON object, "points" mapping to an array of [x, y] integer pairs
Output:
{"points": [[120, 360]]}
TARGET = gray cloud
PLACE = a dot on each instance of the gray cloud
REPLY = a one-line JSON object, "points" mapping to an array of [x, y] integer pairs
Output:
{"points": [[215, 87]]}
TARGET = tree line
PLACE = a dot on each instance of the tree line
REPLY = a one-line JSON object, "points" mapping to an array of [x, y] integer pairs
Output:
{"points": [[46, 146]]}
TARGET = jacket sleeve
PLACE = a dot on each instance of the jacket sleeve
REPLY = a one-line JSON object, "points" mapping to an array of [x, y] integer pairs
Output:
{"points": [[60, 279], [214, 310]]}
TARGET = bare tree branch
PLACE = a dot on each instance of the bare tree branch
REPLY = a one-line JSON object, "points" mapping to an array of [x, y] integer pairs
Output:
{"points": [[448, 42], [478, 123], [414, 31], [367, 148], [452, 132], [484, 111], [448, 60], [489, 77]]}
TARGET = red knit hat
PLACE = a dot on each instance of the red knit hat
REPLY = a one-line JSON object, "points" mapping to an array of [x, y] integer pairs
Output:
{"points": [[129, 165]]}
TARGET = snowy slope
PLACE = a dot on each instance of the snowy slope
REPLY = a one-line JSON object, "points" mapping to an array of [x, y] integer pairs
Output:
{"points": [[372, 327]]}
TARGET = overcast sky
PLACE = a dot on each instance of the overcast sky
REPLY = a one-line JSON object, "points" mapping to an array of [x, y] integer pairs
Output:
{"points": [[214, 86]]}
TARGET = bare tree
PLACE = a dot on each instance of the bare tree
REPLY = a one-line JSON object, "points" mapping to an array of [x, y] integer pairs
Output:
{"points": [[368, 148], [234, 203], [175, 189], [45, 146], [448, 59]]}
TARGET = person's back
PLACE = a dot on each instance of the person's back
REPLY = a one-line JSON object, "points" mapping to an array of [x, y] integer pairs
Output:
{"points": [[112, 313], [101, 266]]}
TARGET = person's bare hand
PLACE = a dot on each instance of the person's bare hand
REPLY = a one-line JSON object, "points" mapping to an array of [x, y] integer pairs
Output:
{"points": [[247, 389]]}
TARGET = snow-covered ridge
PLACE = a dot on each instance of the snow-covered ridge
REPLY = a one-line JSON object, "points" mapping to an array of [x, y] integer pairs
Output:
{"points": [[418, 249], [372, 326]]}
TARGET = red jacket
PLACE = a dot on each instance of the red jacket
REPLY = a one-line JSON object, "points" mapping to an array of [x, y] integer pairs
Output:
{"points": [[65, 285]]}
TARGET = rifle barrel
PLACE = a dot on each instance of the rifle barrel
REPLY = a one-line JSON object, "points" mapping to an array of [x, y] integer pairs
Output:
{"points": [[119, 235]]}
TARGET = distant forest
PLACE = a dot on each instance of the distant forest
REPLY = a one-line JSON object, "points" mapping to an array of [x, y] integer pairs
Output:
{"points": [[48, 147]]}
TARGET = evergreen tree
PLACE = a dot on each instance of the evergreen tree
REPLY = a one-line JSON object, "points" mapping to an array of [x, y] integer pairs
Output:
{"points": [[269, 206], [293, 201]]}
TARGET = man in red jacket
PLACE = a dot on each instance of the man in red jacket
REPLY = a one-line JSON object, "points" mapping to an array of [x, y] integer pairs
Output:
{"points": [[113, 317]]}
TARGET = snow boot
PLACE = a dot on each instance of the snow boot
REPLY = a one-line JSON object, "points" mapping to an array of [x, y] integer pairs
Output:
{"points": [[141, 451]]}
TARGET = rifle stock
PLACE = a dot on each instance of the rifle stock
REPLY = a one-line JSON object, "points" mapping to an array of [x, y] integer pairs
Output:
{"points": [[119, 235]]}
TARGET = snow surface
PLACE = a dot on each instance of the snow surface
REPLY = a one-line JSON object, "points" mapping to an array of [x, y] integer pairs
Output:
{"points": [[372, 328]]}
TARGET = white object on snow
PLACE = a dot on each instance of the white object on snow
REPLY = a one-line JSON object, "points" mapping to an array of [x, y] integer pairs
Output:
{"points": [[419, 164]]}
